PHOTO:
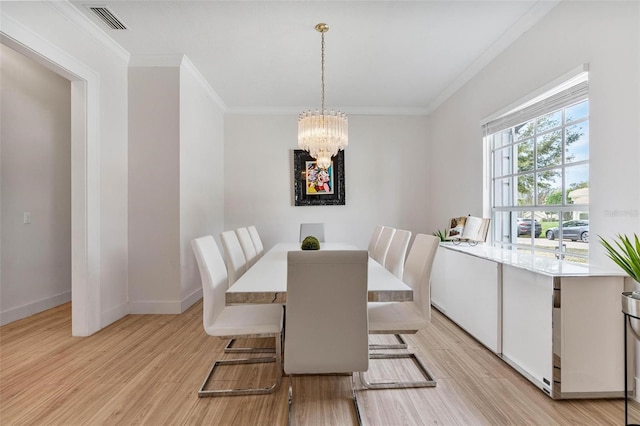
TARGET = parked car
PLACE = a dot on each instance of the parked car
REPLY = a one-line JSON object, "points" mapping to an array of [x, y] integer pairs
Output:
{"points": [[524, 227], [573, 230]]}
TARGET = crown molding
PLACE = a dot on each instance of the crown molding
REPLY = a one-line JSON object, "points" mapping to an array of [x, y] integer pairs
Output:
{"points": [[188, 66], [522, 25], [180, 61], [70, 12], [347, 110]]}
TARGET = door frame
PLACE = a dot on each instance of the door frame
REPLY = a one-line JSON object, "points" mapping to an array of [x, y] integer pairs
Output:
{"points": [[85, 170]]}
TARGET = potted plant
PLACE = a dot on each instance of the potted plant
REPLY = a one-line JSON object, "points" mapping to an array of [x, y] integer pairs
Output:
{"points": [[625, 253], [310, 243], [440, 234]]}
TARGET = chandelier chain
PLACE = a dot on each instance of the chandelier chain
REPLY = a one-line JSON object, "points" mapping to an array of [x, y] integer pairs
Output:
{"points": [[322, 79]]}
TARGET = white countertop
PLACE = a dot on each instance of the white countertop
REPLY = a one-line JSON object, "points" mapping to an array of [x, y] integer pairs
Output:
{"points": [[542, 265]]}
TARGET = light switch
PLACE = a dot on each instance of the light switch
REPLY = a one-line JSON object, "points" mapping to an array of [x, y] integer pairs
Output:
{"points": [[27, 217]]}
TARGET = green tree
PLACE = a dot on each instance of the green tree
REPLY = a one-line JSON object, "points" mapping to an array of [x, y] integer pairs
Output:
{"points": [[548, 153], [555, 198]]}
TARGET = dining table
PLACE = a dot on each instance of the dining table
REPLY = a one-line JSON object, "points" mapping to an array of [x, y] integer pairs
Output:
{"points": [[266, 280]]}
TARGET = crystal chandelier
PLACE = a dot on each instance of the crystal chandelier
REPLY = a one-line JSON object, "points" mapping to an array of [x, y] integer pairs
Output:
{"points": [[322, 133]]}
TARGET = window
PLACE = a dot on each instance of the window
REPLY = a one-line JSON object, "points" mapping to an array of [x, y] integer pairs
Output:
{"points": [[539, 172]]}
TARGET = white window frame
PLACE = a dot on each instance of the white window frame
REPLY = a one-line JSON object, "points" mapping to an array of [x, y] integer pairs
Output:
{"points": [[568, 90]]}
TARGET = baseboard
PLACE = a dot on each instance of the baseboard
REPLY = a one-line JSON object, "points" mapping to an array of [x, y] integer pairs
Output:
{"points": [[162, 307], [113, 315], [15, 314], [438, 307], [188, 301], [155, 307]]}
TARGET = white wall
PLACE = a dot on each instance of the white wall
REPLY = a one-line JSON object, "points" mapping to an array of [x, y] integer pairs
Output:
{"points": [[201, 174], [154, 189], [603, 34], [385, 171], [35, 177], [175, 180]]}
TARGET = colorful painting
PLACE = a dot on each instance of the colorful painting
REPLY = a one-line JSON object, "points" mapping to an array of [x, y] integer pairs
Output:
{"points": [[313, 186], [319, 181]]}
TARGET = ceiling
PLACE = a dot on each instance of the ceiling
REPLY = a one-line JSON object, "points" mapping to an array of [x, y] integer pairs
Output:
{"points": [[381, 56]]}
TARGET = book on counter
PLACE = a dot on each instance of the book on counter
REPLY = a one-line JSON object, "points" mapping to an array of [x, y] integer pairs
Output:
{"points": [[468, 228]]}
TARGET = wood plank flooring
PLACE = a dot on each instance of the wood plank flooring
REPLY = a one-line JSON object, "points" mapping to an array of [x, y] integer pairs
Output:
{"points": [[147, 369]]}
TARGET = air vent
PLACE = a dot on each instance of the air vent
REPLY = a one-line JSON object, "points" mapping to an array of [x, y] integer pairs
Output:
{"points": [[107, 17]]}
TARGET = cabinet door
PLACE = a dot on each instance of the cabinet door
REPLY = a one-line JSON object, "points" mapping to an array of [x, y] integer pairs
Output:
{"points": [[439, 280], [527, 329], [592, 335], [473, 296]]}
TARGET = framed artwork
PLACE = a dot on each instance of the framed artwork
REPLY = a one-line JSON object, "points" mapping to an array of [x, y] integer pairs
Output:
{"points": [[313, 186]]}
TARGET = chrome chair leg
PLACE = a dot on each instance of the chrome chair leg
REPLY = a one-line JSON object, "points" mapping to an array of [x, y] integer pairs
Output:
{"points": [[231, 349], [428, 381], [402, 344], [277, 358], [355, 398], [290, 400]]}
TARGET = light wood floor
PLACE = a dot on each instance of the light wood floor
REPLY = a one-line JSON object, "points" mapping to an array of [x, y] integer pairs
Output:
{"points": [[146, 369]]}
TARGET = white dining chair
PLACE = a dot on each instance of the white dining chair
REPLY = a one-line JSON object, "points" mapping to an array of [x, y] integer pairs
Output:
{"points": [[394, 263], [374, 239], [233, 255], [247, 321], [407, 317], [257, 242], [248, 248], [394, 260], [312, 229], [326, 327], [236, 267], [382, 246]]}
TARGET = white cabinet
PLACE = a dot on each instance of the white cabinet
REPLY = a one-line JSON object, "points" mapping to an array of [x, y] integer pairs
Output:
{"points": [[564, 333], [591, 335], [559, 324], [527, 324], [466, 289]]}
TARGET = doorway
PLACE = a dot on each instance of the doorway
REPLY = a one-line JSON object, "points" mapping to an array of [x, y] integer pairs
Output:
{"points": [[85, 188]]}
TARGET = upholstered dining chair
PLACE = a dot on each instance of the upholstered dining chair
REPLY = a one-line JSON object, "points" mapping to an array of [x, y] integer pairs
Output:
{"points": [[247, 321], [233, 255], [236, 267], [407, 317], [382, 246], [374, 239], [394, 263], [326, 327], [312, 229], [394, 260], [257, 242], [248, 248]]}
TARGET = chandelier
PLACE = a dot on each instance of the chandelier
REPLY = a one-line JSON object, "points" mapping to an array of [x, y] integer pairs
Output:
{"points": [[322, 133]]}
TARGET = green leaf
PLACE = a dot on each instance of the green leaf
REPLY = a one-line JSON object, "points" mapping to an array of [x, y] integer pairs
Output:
{"points": [[625, 253]]}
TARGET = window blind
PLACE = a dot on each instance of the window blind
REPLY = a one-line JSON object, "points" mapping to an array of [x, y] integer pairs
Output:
{"points": [[566, 97]]}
